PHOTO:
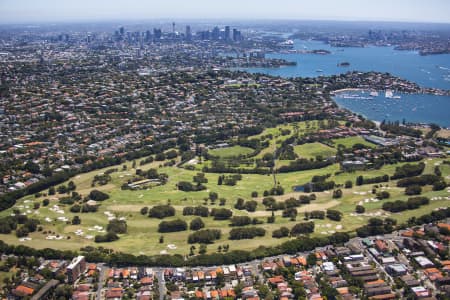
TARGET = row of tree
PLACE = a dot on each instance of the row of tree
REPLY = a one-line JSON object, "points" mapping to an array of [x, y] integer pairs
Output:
{"points": [[161, 211], [411, 203], [304, 164], [246, 233], [205, 236], [201, 211], [250, 205], [300, 244], [408, 170], [360, 180]]}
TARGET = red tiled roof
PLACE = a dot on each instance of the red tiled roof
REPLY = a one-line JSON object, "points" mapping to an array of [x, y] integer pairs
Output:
{"points": [[24, 290], [276, 279], [214, 294], [147, 280], [198, 294]]}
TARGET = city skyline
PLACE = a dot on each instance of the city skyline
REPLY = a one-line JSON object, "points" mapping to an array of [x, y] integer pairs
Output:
{"points": [[27, 11]]}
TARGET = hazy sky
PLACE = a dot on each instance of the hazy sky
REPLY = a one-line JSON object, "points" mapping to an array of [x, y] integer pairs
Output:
{"points": [[20, 11]]}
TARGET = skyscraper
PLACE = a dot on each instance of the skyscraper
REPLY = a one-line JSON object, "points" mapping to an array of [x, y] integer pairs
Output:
{"points": [[188, 33], [227, 33], [157, 34], [236, 35], [215, 33]]}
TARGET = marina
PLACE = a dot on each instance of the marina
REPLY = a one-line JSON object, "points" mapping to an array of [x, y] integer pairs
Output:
{"points": [[415, 108], [428, 71]]}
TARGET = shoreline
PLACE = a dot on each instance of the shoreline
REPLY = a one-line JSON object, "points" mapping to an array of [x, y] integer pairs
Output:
{"points": [[391, 118]]}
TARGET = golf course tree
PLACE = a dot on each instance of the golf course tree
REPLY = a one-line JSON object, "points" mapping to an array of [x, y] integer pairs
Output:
{"points": [[315, 214], [213, 196], [144, 210], [290, 212], [196, 224], [360, 180], [334, 215], [280, 233], [240, 221], [348, 184], [408, 170], [375, 226], [108, 237], [187, 186], [231, 180], [239, 203], [161, 211], [250, 205], [291, 202], [337, 194], [117, 226], [172, 226], [359, 209], [269, 203], [29, 225], [221, 213], [200, 178], [383, 195], [302, 228], [97, 195], [7, 224], [76, 220], [413, 190], [246, 233], [400, 205], [204, 236], [201, 211], [306, 199]]}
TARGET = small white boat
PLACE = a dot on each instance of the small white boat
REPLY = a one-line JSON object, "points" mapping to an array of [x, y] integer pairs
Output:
{"points": [[389, 94]]}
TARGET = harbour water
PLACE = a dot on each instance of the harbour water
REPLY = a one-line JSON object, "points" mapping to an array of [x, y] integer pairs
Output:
{"points": [[428, 71], [409, 107]]}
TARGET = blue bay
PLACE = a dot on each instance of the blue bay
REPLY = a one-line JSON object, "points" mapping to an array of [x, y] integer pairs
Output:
{"points": [[428, 71]]}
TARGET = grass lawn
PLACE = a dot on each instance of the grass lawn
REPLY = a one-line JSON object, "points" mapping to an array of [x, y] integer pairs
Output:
{"points": [[312, 150], [143, 238], [142, 231], [348, 142], [231, 151]]}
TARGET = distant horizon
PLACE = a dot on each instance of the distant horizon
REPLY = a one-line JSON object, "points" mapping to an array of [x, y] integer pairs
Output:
{"points": [[82, 11], [217, 20]]}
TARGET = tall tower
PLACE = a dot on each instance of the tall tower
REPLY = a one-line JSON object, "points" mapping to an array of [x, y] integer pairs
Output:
{"points": [[188, 33], [227, 33], [173, 28]]}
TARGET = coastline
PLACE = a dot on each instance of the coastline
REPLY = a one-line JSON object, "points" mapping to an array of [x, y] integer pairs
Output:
{"points": [[420, 109]]}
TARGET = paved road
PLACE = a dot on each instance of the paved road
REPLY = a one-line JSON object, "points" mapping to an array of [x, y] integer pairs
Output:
{"points": [[161, 283], [101, 280]]}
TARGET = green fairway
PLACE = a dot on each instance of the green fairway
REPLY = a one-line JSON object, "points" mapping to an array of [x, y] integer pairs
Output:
{"points": [[142, 231], [312, 150], [230, 151], [348, 142]]}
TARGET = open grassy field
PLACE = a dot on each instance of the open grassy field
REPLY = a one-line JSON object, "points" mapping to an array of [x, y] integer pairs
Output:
{"points": [[143, 238], [312, 150], [230, 151], [348, 142], [142, 230]]}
